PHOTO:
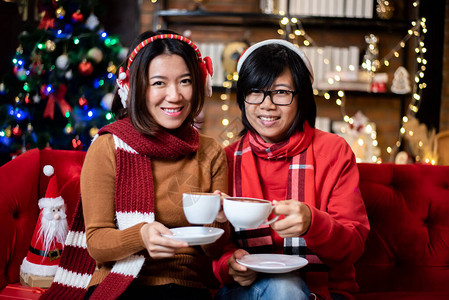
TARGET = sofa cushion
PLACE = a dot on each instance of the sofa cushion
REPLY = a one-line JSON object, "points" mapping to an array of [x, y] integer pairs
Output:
{"points": [[18, 212], [408, 245]]}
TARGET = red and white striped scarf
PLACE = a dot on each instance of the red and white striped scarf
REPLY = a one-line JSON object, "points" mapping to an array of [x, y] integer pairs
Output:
{"points": [[134, 203], [300, 185]]}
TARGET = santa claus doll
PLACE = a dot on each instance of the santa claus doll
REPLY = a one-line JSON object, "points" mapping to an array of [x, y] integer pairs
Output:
{"points": [[49, 234]]}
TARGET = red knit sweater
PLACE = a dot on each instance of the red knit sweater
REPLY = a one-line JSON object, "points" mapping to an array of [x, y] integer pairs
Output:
{"points": [[339, 222]]}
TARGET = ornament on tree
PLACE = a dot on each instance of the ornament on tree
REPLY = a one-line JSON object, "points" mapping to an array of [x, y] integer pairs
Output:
{"points": [[59, 97], [49, 234], [37, 67], [370, 58], [47, 20], [85, 68], [123, 53], [68, 129], [106, 101], [82, 101], [17, 131], [21, 73], [19, 49], [69, 74], [2, 88], [401, 81], [92, 22], [77, 17], [112, 68], [77, 144], [60, 12], [93, 131], [95, 54], [50, 46], [36, 99], [62, 62]]}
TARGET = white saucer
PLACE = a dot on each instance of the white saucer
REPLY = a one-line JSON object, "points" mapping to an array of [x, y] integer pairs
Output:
{"points": [[272, 263], [196, 235]]}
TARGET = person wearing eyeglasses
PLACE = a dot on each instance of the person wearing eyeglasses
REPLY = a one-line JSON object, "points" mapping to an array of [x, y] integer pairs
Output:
{"points": [[310, 176]]}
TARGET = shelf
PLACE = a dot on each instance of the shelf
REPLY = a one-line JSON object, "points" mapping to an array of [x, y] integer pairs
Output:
{"points": [[220, 89], [201, 17]]}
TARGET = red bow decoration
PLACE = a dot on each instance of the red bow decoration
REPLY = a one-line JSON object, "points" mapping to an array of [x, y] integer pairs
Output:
{"points": [[57, 97], [47, 21]]}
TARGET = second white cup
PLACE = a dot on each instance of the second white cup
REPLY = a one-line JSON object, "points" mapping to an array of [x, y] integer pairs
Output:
{"points": [[200, 208], [245, 212]]}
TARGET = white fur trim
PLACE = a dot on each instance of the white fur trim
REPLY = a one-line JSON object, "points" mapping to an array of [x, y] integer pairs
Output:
{"points": [[280, 42], [129, 219], [129, 266], [122, 145], [76, 239], [94, 138], [69, 278], [208, 85], [50, 202], [123, 90], [48, 170], [35, 269]]}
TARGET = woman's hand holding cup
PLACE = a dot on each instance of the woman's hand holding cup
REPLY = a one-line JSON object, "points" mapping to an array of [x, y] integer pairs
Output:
{"points": [[221, 217], [296, 221]]}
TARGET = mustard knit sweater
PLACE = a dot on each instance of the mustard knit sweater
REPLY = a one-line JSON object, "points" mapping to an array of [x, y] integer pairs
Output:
{"points": [[203, 171]]}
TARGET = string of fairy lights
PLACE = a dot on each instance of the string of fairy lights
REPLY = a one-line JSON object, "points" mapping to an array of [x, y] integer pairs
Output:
{"points": [[292, 29]]}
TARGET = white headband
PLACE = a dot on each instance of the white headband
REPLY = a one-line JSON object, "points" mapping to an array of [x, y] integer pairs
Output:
{"points": [[289, 45]]}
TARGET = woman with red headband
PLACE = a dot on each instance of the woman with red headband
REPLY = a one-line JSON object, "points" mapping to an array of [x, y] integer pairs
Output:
{"points": [[310, 176], [132, 181]]}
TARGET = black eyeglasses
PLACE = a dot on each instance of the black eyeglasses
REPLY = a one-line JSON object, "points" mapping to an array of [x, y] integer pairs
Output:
{"points": [[277, 97]]}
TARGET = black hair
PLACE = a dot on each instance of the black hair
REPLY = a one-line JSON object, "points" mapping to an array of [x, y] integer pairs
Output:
{"points": [[139, 82], [260, 70]]}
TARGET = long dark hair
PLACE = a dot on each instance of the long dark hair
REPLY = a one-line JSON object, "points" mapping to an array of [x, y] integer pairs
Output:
{"points": [[260, 70], [139, 82]]}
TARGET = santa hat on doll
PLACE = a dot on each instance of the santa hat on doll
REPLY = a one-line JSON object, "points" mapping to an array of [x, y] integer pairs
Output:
{"points": [[49, 234]]}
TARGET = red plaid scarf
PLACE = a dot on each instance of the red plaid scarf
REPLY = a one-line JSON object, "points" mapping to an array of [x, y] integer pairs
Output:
{"points": [[300, 185], [134, 202]]}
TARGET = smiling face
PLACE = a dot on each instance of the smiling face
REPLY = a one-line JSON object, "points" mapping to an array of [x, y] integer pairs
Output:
{"points": [[271, 121], [170, 90]]}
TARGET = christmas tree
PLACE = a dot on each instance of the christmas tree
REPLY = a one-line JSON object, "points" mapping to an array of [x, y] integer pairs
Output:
{"points": [[60, 88]]}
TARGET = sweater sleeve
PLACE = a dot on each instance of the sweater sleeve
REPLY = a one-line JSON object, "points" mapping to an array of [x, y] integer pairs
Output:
{"points": [[340, 225], [219, 181], [104, 241], [220, 264]]}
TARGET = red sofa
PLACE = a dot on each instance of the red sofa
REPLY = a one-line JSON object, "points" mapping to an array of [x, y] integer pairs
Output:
{"points": [[406, 254]]}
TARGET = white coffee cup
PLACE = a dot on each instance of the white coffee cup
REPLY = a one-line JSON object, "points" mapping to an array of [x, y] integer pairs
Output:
{"points": [[200, 208], [244, 212]]}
